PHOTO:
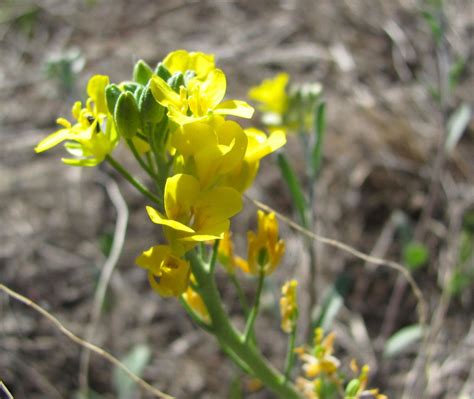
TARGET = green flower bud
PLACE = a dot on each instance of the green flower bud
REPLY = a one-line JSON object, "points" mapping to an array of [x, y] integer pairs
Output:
{"points": [[162, 72], [138, 92], [112, 93], [129, 86], [176, 81], [150, 110], [142, 72], [352, 388], [127, 117]]}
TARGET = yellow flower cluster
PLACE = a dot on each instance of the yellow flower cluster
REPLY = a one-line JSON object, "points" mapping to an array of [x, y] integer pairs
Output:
{"points": [[265, 250], [322, 372], [173, 119], [93, 136], [286, 105], [289, 306], [214, 159]]}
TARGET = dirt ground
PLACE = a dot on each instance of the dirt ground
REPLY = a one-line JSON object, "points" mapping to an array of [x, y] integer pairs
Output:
{"points": [[375, 60]]}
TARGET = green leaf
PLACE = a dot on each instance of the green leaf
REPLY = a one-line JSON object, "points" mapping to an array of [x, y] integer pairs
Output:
{"points": [[319, 130], [402, 339], [235, 391], [415, 255], [332, 303], [457, 124], [294, 186], [434, 24], [135, 360]]}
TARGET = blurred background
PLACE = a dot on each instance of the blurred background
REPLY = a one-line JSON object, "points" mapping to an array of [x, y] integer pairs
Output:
{"points": [[380, 63]]}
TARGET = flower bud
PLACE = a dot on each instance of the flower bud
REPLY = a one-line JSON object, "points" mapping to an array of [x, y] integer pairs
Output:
{"points": [[150, 110], [352, 388], [127, 117], [112, 93], [162, 72], [176, 81], [129, 86], [142, 72]]}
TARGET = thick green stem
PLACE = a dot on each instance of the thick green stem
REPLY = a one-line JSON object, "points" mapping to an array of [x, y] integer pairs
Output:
{"points": [[230, 338], [134, 182]]}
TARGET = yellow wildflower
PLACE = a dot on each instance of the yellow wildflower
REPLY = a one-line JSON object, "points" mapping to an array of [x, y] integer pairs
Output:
{"points": [[193, 214], [93, 137], [320, 360], [181, 61], [209, 150], [167, 273], [259, 145], [199, 100], [271, 94], [264, 249], [289, 306]]}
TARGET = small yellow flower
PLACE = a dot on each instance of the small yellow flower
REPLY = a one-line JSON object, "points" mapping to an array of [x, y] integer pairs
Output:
{"points": [[195, 302], [94, 136], [209, 150], [272, 95], [199, 100], [320, 360], [259, 145], [264, 249], [182, 61], [289, 306], [168, 274], [193, 214]]}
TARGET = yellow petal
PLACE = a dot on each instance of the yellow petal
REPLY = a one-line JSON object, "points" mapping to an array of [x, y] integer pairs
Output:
{"points": [[53, 140], [181, 192], [181, 61], [96, 91], [192, 137], [235, 108], [164, 94], [157, 218]]}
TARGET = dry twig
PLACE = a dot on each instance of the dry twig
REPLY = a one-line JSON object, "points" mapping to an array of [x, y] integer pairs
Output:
{"points": [[422, 307], [119, 238], [94, 348]]}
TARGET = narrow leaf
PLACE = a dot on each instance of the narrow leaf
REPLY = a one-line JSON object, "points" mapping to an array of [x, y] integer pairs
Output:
{"points": [[402, 339], [332, 303], [457, 124], [294, 186], [319, 130], [135, 360]]}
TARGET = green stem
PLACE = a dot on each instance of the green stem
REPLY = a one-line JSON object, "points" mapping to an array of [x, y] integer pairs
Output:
{"points": [[254, 312], [290, 355], [213, 260], [140, 160], [194, 316], [134, 182], [229, 338], [240, 294]]}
